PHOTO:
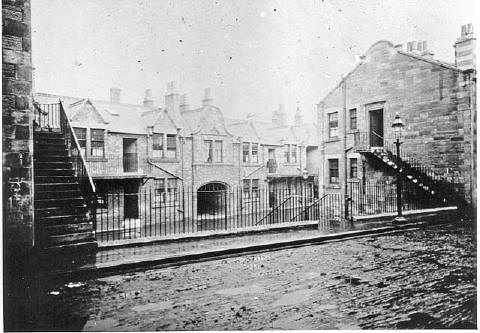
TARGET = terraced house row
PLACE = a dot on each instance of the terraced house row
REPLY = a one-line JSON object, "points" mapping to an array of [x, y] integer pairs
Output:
{"points": [[142, 158]]}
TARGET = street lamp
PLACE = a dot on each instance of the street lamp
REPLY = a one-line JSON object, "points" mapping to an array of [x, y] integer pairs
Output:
{"points": [[397, 130]]}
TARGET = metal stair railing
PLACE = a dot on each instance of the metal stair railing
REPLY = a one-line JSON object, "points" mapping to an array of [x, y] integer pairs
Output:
{"points": [[80, 167], [275, 210], [415, 171]]}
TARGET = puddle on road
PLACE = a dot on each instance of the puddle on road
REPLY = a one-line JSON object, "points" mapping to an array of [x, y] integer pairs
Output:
{"points": [[153, 306], [254, 289], [293, 298], [107, 324]]}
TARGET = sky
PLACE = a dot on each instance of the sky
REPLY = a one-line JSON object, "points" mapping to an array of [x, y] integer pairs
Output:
{"points": [[253, 55]]}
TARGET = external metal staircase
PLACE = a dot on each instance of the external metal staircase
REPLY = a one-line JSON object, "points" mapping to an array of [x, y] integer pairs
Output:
{"points": [[64, 192]]}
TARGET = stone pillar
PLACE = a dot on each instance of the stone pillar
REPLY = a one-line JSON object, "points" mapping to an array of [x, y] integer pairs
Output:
{"points": [[17, 117]]}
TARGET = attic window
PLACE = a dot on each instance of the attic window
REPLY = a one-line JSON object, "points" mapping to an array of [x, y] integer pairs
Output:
{"points": [[157, 145], [171, 146]]}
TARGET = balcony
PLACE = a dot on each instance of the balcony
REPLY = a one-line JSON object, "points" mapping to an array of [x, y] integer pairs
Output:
{"points": [[126, 166]]}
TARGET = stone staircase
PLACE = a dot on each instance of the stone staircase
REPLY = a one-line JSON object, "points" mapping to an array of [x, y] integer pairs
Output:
{"points": [[62, 221], [419, 175]]}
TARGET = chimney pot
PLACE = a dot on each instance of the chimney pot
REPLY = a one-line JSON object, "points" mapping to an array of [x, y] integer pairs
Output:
{"points": [[115, 95], [183, 103], [148, 100], [399, 47], [207, 100], [171, 87]]}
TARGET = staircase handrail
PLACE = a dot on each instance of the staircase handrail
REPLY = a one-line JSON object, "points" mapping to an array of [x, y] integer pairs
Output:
{"points": [[309, 206], [69, 130], [275, 209]]}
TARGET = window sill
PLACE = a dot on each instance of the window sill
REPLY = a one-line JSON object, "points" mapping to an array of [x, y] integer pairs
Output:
{"points": [[354, 180], [164, 159], [96, 159], [353, 131], [334, 186], [245, 164], [332, 140]]}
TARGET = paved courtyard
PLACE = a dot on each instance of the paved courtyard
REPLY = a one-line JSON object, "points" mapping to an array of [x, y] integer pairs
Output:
{"points": [[417, 279]]}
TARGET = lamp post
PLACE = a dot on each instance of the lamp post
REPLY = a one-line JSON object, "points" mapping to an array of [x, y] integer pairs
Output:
{"points": [[397, 130]]}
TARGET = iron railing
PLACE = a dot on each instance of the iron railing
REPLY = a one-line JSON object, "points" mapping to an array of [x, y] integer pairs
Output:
{"points": [[160, 212], [47, 117], [80, 167]]}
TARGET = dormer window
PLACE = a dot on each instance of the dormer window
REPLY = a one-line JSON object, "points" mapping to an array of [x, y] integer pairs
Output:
{"points": [[164, 145]]}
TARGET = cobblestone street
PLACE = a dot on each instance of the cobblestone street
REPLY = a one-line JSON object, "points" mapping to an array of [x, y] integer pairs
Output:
{"points": [[418, 279]]}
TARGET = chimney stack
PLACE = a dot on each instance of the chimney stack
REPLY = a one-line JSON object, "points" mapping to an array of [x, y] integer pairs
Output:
{"points": [[183, 103], [115, 95], [148, 100], [465, 57], [207, 100], [172, 100], [281, 115], [298, 117]]}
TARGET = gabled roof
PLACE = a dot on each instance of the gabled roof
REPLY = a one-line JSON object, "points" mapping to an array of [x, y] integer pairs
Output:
{"points": [[205, 120], [306, 134], [244, 130], [389, 45]]}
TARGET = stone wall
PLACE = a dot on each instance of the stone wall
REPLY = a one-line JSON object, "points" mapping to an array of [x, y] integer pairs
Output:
{"points": [[17, 139]]}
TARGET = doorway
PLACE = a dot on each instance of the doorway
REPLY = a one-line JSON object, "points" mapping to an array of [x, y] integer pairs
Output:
{"points": [[130, 160], [376, 128], [130, 204]]}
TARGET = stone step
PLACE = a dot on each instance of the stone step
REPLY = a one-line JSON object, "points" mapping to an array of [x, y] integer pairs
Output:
{"points": [[83, 247], [57, 194], [38, 158], [63, 219], [77, 209], [49, 143], [70, 228], [58, 202], [77, 237], [50, 149], [53, 165], [53, 172], [55, 179], [47, 135], [57, 187]]}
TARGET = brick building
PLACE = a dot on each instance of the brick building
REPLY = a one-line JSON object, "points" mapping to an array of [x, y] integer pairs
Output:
{"points": [[435, 100], [129, 148]]}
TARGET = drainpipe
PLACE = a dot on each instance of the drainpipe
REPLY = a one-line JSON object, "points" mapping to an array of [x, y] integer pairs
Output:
{"points": [[471, 87], [345, 164]]}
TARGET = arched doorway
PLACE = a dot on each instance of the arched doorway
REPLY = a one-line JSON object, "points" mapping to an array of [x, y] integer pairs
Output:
{"points": [[211, 198]]}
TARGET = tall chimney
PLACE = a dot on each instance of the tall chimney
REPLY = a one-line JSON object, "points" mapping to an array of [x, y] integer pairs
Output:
{"points": [[183, 103], [172, 99], [115, 95], [148, 100], [207, 99], [298, 117], [465, 57], [281, 115], [275, 117]]}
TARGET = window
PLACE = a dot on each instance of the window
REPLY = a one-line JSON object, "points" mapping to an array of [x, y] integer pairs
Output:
{"points": [[286, 150], [353, 119], [293, 153], [159, 192], [251, 188], [171, 146], [172, 189], [246, 152], [333, 171], [254, 152], [97, 142], [218, 153], [157, 145], [209, 146], [353, 168], [246, 188], [81, 134], [255, 188], [333, 125]]}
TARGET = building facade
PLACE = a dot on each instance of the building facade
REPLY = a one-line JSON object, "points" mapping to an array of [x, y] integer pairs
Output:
{"points": [[435, 100], [133, 148]]}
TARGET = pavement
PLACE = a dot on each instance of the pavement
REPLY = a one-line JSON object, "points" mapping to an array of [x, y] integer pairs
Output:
{"points": [[116, 258]]}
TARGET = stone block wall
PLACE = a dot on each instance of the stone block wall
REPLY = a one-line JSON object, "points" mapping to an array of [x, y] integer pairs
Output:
{"points": [[434, 101], [17, 138]]}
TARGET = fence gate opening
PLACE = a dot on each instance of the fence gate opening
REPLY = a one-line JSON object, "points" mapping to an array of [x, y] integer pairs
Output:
{"points": [[211, 199]]}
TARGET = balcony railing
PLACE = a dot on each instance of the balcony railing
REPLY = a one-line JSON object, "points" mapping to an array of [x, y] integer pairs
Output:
{"points": [[122, 165]]}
